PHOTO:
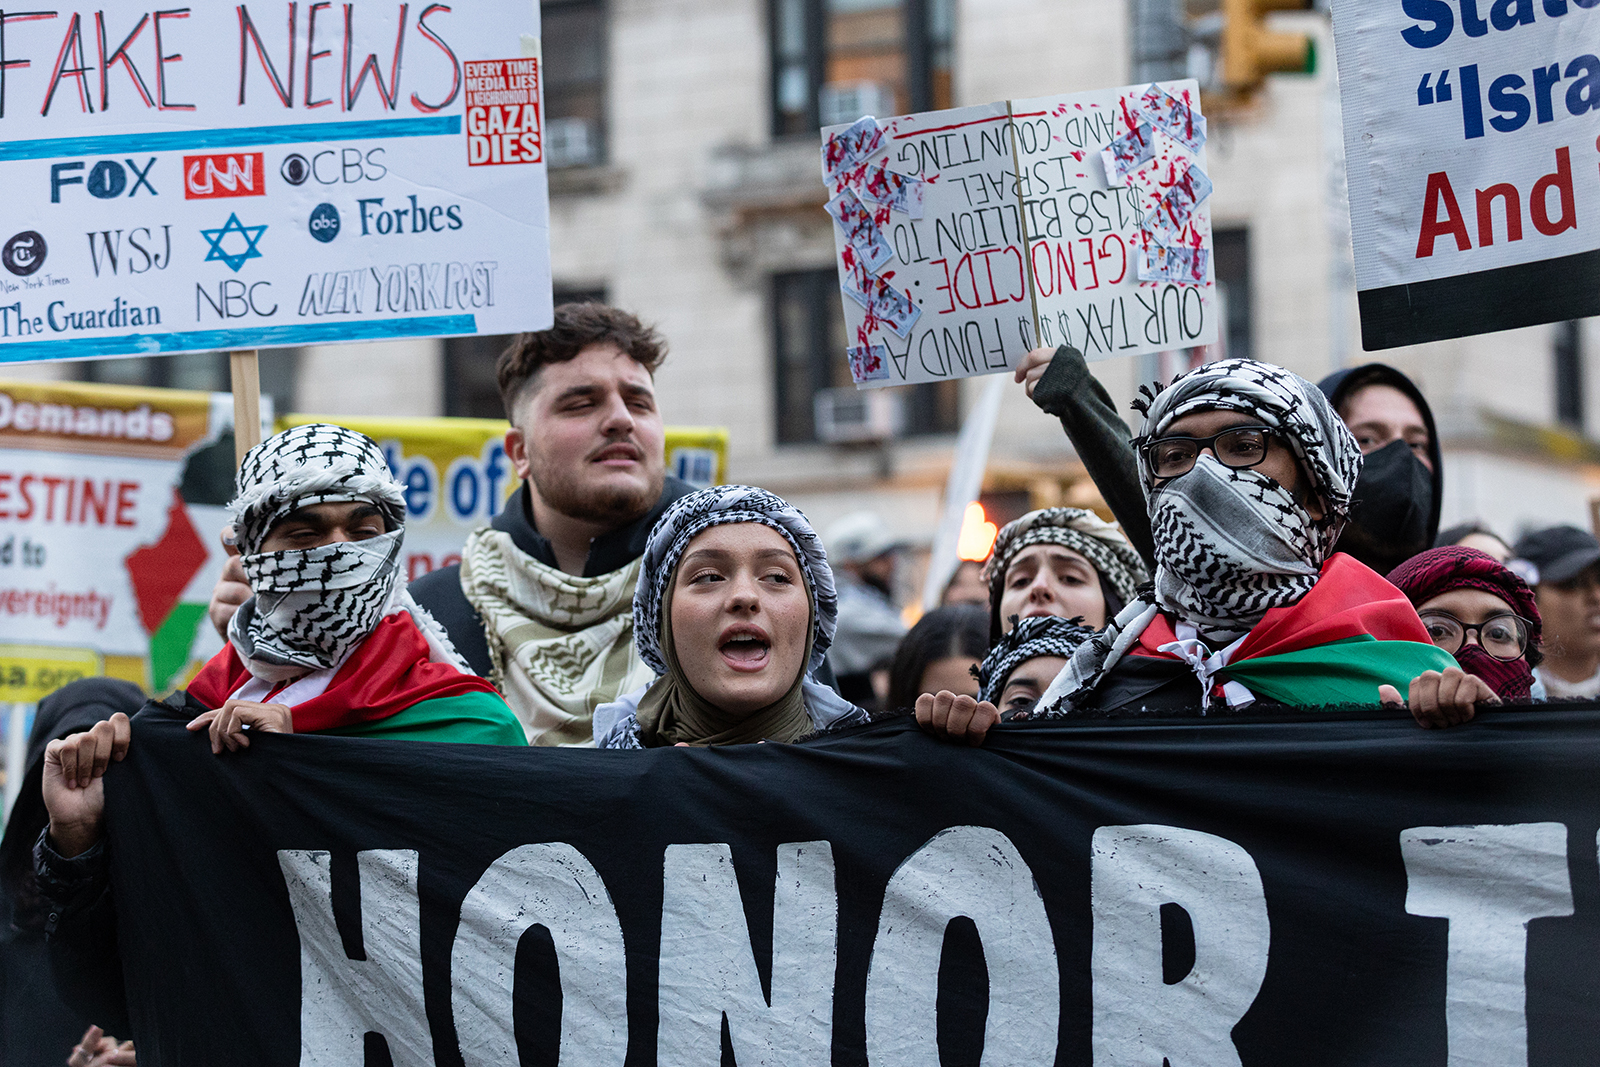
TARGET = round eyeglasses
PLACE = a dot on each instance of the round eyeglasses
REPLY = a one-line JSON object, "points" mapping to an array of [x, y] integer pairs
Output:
{"points": [[1236, 447], [1503, 636]]}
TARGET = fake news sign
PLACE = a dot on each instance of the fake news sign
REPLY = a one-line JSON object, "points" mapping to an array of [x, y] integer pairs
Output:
{"points": [[1070, 893], [269, 173], [1472, 133]]}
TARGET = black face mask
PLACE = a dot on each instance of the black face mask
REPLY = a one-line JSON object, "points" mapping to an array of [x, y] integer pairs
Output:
{"points": [[1393, 503]]}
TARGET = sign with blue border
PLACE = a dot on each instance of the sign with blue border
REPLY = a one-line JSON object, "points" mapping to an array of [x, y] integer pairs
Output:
{"points": [[269, 174]]}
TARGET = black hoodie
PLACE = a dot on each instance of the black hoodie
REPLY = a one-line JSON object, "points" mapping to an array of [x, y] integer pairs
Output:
{"points": [[1389, 522]]}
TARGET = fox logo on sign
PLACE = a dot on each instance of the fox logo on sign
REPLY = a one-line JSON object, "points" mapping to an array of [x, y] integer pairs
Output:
{"points": [[232, 174]]}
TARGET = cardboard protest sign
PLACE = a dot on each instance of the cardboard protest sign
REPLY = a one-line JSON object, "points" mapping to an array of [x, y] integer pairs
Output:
{"points": [[110, 508], [967, 237], [457, 476], [1472, 138], [246, 175]]}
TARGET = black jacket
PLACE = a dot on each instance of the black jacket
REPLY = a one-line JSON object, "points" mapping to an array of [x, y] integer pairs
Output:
{"points": [[440, 591], [42, 1017], [1102, 440]]}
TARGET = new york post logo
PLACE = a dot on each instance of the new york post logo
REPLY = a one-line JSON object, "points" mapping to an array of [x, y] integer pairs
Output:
{"points": [[227, 175]]}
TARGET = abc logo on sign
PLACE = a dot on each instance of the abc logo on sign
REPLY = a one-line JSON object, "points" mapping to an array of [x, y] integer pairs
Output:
{"points": [[324, 222], [227, 175], [24, 253]]}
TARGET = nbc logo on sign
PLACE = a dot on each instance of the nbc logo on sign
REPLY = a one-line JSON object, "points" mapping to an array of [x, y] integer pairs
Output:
{"points": [[232, 174]]}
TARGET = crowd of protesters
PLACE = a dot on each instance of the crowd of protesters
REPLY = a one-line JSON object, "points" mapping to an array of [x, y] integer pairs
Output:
{"points": [[1276, 543]]}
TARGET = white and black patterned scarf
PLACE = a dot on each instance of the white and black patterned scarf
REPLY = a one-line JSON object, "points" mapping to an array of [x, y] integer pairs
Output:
{"points": [[1042, 635], [617, 724], [312, 607], [1230, 544], [1101, 543]]}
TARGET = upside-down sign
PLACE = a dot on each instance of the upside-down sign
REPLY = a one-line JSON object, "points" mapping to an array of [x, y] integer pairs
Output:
{"points": [[1473, 137]]}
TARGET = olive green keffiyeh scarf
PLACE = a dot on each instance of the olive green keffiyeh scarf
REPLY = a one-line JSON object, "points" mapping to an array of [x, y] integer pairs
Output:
{"points": [[561, 644]]}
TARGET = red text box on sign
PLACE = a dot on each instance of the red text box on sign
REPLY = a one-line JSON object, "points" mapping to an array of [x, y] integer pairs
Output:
{"points": [[227, 174], [503, 123]]}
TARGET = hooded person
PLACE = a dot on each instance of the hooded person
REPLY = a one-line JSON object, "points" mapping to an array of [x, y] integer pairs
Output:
{"points": [[1479, 611], [1394, 508], [1249, 474], [1060, 561], [735, 610]]}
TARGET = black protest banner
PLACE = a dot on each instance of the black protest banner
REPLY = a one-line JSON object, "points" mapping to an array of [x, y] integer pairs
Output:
{"points": [[1266, 891]]}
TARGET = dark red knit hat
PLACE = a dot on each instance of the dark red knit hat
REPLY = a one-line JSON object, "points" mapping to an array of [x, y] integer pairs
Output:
{"points": [[1439, 570]]}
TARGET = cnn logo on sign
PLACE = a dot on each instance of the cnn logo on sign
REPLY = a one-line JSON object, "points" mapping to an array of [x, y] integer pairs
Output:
{"points": [[231, 174]]}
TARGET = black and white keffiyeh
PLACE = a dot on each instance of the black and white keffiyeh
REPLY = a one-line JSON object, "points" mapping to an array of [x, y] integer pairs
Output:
{"points": [[617, 724], [1042, 635], [312, 607], [720, 505], [1230, 544], [1101, 543]]}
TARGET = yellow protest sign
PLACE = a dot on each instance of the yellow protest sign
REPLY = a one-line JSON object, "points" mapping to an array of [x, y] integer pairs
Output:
{"points": [[29, 673]]}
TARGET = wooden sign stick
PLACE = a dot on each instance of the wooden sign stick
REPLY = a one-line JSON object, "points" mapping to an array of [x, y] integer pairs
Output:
{"points": [[245, 369]]}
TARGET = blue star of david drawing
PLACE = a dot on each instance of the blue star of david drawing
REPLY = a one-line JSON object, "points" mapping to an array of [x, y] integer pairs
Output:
{"points": [[234, 260]]}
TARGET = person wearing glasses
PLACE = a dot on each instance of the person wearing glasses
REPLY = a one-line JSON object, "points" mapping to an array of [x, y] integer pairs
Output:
{"points": [[1247, 473], [1479, 611]]}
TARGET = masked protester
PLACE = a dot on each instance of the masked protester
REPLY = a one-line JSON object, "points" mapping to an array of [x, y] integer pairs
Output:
{"points": [[1394, 510], [1478, 611], [1023, 663], [1060, 561], [1249, 475], [735, 610], [330, 642]]}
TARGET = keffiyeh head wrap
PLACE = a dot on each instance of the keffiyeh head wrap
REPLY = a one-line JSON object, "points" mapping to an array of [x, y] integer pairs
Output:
{"points": [[1232, 544], [671, 711], [1042, 635], [720, 505], [312, 607], [1082, 531]]}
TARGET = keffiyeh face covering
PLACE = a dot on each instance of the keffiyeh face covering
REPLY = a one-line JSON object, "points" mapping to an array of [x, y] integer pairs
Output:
{"points": [[1232, 544], [312, 606], [1043, 635]]}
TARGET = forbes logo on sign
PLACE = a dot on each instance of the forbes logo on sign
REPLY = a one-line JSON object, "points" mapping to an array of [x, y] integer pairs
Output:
{"points": [[324, 222], [227, 175]]}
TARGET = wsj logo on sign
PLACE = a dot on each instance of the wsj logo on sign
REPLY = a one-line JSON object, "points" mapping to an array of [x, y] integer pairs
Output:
{"points": [[231, 174]]}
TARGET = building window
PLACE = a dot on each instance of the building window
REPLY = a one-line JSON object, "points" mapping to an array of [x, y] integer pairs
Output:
{"points": [[836, 60], [809, 340], [1569, 374], [471, 389], [574, 48]]}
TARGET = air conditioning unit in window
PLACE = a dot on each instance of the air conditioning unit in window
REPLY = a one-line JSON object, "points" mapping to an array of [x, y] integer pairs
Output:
{"points": [[847, 101], [571, 142], [848, 416]]}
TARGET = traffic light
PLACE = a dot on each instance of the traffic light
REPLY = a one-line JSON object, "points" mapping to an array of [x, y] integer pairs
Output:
{"points": [[1250, 51]]}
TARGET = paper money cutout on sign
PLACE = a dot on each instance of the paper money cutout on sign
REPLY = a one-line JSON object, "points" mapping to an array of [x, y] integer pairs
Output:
{"points": [[1185, 265], [864, 234], [885, 305], [898, 191], [868, 363], [1174, 117], [843, 150], [1170, 223], [1128, 153]]}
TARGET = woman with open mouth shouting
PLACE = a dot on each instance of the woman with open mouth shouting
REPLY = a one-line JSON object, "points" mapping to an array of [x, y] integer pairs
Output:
{"points": [[735, 609]]}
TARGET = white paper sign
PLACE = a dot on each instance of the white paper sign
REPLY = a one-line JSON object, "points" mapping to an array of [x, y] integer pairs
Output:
{"points": [[1471, 134], [262, 174], [967, 237]]}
